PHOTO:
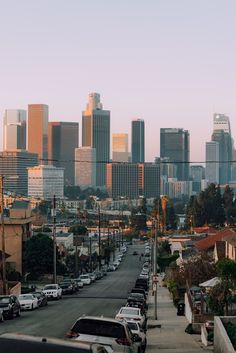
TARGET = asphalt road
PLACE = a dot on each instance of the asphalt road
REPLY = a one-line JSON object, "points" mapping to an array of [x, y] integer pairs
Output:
{"points": [[104, 297]]}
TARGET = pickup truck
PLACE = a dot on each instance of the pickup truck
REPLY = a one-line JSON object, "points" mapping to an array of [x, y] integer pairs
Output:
{"points": [[53, 291]]}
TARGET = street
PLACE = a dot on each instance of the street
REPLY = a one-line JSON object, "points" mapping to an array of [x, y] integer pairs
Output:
{"points": [[104, 297]]}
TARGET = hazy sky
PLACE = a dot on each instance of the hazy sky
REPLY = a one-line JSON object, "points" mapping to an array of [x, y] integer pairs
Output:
{"points": [[169, 62]]}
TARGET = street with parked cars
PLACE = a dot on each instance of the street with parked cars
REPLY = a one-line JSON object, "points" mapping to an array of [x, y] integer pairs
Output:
{"points": [[105, 307]]}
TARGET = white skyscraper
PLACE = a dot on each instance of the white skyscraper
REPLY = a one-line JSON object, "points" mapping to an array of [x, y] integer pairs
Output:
{"points": [[94, 101], [221, 122], [14, 129], [212, 155], [45, 181], [85, 167]]}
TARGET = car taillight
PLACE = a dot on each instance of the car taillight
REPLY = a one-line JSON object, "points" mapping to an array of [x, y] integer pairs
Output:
{"points": [[72, 334], [123, 341]]}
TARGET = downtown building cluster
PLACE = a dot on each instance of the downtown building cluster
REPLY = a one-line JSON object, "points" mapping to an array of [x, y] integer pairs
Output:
{"points": [[40, 157]]}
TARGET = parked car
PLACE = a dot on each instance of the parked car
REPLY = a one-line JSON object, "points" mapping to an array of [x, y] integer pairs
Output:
{"points": [[15, 342], [137, 297], [53, 291], [135, 253], [80, 284], [142, 283], [86, 279], [137, 329], [28, 301], [92, 276], [111, 268], [68, 286], [1, 315], [10, 306], [104, 331], [129, 313], [139, 290], [42, 299]]}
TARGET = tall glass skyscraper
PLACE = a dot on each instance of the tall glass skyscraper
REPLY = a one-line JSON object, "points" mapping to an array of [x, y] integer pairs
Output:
{"points": [[96, 134], [222, 134], [174, 144], [14, 129], [138, 141], [63, 139]]}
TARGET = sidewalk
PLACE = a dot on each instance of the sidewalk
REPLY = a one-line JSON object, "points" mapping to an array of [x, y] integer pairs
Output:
{"points": [[170, 338]]}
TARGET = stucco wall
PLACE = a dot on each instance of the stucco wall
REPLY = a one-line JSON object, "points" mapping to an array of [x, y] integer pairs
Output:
{"points": [[188, 310], [222, 343]]}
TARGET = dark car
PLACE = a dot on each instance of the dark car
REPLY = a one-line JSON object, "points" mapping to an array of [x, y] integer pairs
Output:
{"points": [[67, 287], [10, 306], [42, 298], [135, 253], [142, 283], [137, 297], [139, 291]]}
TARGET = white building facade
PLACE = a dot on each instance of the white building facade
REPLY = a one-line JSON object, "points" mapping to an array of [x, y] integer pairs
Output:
{"points": [[85, 167], [45, 181]]}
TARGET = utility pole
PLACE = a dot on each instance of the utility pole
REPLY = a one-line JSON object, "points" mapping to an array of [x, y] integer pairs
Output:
{"points": [[155, 270], [54, 240], [90, 254], [99, 238], [4, 281]]}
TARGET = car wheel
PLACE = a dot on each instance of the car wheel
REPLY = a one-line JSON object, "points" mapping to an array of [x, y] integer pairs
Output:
{"points": [[18, 313], [11, 314], [32, 307]]}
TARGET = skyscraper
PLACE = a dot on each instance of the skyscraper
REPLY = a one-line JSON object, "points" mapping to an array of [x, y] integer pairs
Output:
{"points": [[63, 139], [14, 164], [120, 151], [85, 167], [138, 141], [222, 134], [174, 143], [212, 155], [14, 129], [38, 129], [96, 134]]}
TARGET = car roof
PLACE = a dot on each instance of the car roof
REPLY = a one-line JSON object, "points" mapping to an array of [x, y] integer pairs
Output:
{"points": [[100, 318]]}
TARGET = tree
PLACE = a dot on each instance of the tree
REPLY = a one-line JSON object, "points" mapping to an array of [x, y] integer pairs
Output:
{"points": [[78, 229], [229, 206], [38, 255]]}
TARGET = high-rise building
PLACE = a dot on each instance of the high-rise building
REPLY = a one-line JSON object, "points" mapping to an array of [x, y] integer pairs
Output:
{"points": [[38, 130], [138, 141], [13, 165], [123, 180], [85, 167], [149, 180], [14, 129], [45, 181], [225, 154], [174, 144], [197, 172], [63, 139], [96, 134], [167, 168], [212, 162], [221, 122], [120, 151], [133, 180]]}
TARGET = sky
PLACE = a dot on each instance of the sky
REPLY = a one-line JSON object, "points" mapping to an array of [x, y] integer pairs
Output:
{"points": [[169, 62]]}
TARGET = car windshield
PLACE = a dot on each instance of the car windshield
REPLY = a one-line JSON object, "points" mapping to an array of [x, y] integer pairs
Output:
{"points": [[25, 296], [50, 287], [127, 311], [84, 276], [133, 326], [99, 328], [4, 300]]}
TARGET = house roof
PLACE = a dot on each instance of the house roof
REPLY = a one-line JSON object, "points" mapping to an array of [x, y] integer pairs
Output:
{"points": [[231, 239], [20, 204], [209, 242]]}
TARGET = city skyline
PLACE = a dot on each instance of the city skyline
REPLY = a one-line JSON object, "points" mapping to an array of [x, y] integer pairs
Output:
{"points": [[177, 68]]}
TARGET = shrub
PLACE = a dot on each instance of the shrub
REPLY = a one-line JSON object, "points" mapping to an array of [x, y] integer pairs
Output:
{"points": [[189, 329]]}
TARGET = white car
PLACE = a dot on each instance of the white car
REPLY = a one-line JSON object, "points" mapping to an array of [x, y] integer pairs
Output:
{"points": [[28, 301], [137, 329], [53, 291], [79, 282], [86, 279], [129, 313], [107, 331]]}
